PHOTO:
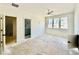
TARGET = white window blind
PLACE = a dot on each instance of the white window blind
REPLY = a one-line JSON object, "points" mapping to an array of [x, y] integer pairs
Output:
{"points": [[50, 23], [56, 22], [64, 22]]}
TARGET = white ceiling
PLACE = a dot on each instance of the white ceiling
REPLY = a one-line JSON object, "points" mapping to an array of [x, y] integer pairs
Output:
{"points": [[41, 8]]}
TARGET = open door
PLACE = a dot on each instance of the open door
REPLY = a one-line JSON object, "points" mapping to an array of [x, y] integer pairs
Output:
{"points": [[7, 29], [2, 34], [10, 29]]}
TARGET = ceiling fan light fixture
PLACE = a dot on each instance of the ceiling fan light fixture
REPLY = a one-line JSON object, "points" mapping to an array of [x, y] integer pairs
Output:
{"points": [[50, 11]]}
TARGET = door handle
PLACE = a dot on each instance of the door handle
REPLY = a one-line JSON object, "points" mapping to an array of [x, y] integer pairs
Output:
{"points": [[1, 41], [3, 35], [1, 18], [69, 42], [1, 30]]}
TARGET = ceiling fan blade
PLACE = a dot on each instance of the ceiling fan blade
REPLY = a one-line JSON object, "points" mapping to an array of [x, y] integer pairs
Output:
{"points": [[50, 12]]}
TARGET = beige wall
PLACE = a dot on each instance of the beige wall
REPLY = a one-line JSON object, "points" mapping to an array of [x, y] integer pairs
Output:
{"points": [[62, 32], [76, 18]]}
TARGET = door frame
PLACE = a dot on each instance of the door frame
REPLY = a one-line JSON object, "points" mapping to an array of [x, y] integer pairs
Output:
{"points": [[2, 37], [15, 25]]}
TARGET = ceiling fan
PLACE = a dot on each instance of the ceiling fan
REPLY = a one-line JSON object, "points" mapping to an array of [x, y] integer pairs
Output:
{"points": [[49, 12]]}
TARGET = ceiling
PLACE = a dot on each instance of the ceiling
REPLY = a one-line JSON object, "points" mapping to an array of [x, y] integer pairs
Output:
{"points": [[40, 8]]}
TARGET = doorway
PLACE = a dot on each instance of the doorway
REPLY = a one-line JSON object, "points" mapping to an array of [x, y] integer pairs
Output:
{"points": [[10, 29], [27, 28]]}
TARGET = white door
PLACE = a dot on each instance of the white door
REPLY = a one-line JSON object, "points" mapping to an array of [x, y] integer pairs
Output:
{"points": [[2, 34]]}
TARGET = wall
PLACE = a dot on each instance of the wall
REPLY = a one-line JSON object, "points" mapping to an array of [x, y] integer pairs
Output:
{"points": [[37, 23], [62, 32], [76, 17], [38, 27]]}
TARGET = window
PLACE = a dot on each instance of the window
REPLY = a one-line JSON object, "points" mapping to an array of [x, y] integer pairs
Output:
{"points": [[50, 23], [56, 23], [64, 22]]}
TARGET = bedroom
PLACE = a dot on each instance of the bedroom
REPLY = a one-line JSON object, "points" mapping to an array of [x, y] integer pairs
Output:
{"points": [[37, 14]]}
